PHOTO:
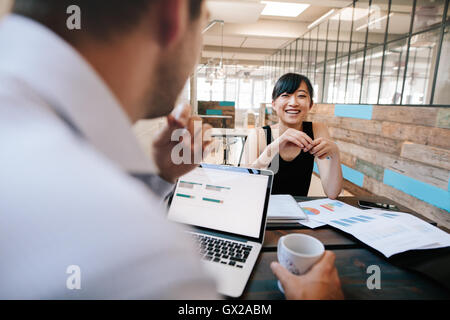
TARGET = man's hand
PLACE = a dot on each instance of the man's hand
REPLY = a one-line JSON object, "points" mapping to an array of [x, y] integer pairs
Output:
{"points": [[180, 119], [320, 283]]}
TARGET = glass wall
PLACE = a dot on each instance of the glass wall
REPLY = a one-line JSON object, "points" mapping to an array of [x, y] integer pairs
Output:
{"points": [[246, 86], [442, 92], [393, 52]]}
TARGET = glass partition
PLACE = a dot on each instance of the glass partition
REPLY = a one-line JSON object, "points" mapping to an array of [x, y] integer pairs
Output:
{"points": [[442, 92], [375, 52]]}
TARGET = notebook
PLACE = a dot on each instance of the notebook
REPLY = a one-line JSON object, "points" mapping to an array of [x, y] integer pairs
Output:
{"points": [[284, 209]]}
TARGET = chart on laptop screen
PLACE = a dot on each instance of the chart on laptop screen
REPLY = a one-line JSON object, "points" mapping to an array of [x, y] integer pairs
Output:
{"points": [[203, 193], [223, 200]]}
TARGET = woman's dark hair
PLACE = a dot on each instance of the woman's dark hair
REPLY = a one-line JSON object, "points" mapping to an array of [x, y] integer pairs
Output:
{"points": [[289, 83]]}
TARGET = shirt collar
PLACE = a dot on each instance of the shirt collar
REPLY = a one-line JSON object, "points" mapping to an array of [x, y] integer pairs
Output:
{"points": [[65, 80]]}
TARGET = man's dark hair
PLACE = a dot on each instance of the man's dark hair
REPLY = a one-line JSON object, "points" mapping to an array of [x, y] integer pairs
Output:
{"points": [[100, 18], [289, 83]]}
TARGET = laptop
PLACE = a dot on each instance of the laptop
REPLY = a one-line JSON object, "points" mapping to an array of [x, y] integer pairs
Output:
{"points": [[227, 210]]}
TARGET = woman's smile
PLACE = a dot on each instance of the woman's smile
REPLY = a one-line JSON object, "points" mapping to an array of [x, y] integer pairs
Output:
{"points": [[292, 111]]}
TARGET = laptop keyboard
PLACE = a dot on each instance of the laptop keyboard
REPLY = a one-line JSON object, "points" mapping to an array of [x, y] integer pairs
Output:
{"points": [[231, 253]]}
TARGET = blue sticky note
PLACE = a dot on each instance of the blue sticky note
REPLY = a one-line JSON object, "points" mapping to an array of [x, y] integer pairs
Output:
{"points": [[418, 189], [359, 111], [353, 175]]}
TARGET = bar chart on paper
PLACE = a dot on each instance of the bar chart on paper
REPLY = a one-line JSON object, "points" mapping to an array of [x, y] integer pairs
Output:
{"points": [[321, 211], [326, 209], [332, 206], [348, 222], [383, 231]]}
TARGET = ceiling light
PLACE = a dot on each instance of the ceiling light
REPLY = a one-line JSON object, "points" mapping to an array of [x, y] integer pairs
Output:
{"points": [[221, 73], [283, 9], [374, 21], [322, 18], [347, 14], [210, 76]]}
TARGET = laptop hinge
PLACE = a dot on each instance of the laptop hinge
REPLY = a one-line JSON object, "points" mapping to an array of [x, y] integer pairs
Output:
{"points": [[220, 235]]}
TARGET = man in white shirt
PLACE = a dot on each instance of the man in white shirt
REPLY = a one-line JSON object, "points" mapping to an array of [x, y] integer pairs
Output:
{"points": [[74, 222]]}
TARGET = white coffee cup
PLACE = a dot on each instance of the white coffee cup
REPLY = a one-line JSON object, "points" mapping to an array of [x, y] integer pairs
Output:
{"points": [[298, 253]]}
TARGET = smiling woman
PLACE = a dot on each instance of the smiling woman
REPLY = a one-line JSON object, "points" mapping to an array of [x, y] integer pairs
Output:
{"points": [[290, 147]]}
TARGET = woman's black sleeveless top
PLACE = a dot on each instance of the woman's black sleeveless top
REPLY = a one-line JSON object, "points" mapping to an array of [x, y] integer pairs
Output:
{"points": [[293, 177]]}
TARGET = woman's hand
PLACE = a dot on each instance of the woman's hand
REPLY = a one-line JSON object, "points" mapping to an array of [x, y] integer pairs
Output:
{"points": [[292, 136], [288, 145], [323, 147], [291, 142]]}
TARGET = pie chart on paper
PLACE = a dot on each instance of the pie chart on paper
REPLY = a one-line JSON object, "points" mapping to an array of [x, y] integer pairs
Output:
{"points": [[311, 211]]}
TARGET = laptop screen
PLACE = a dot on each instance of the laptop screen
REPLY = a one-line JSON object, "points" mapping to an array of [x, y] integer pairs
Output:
{"points": [[228, 199]]}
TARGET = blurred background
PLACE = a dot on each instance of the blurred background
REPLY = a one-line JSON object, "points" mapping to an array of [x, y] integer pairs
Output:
{"points": [[380, 70]]}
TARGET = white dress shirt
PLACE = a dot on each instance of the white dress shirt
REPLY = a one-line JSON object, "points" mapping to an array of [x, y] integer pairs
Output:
{"points": [[69, 201]]}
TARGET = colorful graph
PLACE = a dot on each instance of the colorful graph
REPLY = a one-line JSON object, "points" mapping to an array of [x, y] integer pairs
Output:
{"points": [[212, 200], [331, 206], [185, 195], [389, 215], [216, 188], [341, 223], [188, 184], [349, 221], [311, 211]]}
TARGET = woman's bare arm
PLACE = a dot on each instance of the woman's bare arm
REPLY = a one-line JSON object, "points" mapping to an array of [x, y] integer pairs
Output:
{"points": [[330, 166], [256, 142]]}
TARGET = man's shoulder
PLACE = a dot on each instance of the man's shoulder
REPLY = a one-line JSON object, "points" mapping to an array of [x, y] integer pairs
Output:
{"points": [[65, 203], [39, 147]]}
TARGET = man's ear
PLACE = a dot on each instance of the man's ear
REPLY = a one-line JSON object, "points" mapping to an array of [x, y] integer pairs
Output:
{"points": [[171, 17], [312, 104]]}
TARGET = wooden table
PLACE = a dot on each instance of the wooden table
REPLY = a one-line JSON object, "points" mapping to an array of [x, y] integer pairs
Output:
{"points": [[352, 259]]}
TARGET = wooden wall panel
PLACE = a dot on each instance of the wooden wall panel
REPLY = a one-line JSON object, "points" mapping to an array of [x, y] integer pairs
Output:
{"points": [[415, 115], [371, 170], [372, 141], [361, 125], [419, 134], [326, 109], [412, 142], [328, 119], [348, 159], [443, 118], [435, 176], [356, 190], [438, 215], [429, 155]]}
